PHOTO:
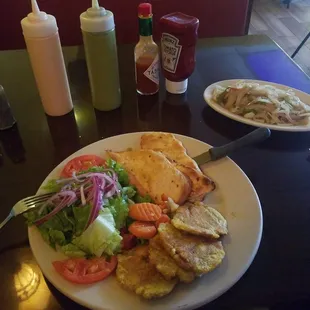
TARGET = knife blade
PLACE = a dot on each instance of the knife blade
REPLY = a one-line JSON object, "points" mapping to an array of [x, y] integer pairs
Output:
{"points": [[215, 153]]}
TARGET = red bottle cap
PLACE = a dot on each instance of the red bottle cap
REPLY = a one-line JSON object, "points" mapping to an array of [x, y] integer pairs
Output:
{"points": [[145, 9]]}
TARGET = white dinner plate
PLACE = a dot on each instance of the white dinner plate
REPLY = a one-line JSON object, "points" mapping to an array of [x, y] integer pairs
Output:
{"points": [[234, 196], [215, 106]]}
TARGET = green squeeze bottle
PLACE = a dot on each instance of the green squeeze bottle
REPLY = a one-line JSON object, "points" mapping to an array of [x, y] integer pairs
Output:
{"points": [[98, 30]]}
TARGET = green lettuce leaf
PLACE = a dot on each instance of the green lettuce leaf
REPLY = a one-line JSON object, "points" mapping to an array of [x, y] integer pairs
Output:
{"points": [[72, 250], [65, 230], [129, 191], [52, 186], [94, 169], [119, 209], [81, 215], [30, 216], [139, 199], [129, 221], [122, 175], [46, 236], [60, 221], [57, 237], [54, 223], [59, 229], [101, 236]]}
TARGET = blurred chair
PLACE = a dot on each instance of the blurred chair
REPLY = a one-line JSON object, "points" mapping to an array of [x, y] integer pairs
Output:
{"points": [[217, 18]]}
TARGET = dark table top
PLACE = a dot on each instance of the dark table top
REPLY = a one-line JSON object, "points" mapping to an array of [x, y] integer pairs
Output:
{"points": [[279, 168]]}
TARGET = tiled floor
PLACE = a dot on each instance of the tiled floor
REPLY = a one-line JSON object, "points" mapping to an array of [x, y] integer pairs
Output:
{"points": [[287, 27]]}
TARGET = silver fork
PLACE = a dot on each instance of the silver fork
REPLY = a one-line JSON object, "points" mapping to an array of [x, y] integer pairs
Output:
{"points": [[26, 204]]}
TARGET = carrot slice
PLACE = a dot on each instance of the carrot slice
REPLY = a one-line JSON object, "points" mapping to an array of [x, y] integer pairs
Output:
{"points": [[163, 219], [145, 212], [143, 229]]}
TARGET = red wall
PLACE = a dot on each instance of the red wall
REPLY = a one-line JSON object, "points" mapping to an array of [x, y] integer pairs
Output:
{"points": [[217, 17]]}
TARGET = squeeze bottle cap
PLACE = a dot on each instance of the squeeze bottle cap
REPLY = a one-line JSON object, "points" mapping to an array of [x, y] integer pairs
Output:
{"points": [[97, 19], [38, 24], [176, 87]]}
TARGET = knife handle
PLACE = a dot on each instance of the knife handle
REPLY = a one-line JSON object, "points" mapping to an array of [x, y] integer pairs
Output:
{"points": [[257, 135]]}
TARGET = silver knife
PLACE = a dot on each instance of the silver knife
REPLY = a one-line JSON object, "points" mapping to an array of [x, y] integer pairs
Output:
{"points": [[215, 153]]}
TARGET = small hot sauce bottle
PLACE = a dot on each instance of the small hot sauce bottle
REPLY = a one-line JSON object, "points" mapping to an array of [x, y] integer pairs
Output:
{"points": [[146, 54]]}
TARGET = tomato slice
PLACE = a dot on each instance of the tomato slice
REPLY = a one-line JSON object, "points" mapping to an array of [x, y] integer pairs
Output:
{"points": [[85, 271], [81, 163], [145, 230]]}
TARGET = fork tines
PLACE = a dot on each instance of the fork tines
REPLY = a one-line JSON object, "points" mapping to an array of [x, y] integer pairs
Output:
{"points": [[38, 199]]}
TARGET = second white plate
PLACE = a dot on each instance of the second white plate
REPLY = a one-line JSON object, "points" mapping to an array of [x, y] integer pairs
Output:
{"points": [[215, 106]]}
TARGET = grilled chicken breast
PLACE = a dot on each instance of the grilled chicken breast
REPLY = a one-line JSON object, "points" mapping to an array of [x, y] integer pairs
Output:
{"points": [[137, 274], [175, 152], [199, 219], [153, 174], [201, 184], [165, 264], [191, 252]]}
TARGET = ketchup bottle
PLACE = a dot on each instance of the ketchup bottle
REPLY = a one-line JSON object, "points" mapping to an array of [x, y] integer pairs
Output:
{"points": [[146, 54], [178, 43]]}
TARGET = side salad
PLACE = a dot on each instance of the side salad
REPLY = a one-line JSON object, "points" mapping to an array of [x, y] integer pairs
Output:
{"points": [[89, 219]]}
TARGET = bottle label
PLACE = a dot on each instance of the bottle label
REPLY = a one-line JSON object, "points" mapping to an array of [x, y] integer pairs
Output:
{"points": [[152, 72], [171, 51]]}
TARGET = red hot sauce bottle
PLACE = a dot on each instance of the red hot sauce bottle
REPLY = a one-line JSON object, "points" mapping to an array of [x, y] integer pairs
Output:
{"points": [[146, 54], [178, 44]]}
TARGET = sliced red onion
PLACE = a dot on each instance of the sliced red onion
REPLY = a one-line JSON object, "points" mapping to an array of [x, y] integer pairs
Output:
{"points": [[83, 200], [103, 184], [114, 175], [60, 200], [111, 188], [108, 188], [96, 196], [110, 193], [79, 180], [69, 180], [90, 187], [109, 179], [83, 176], [67, 187]]}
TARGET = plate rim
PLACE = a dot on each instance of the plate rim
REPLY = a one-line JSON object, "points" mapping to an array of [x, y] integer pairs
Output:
{"points": [[194, 305], [216, 107]]}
